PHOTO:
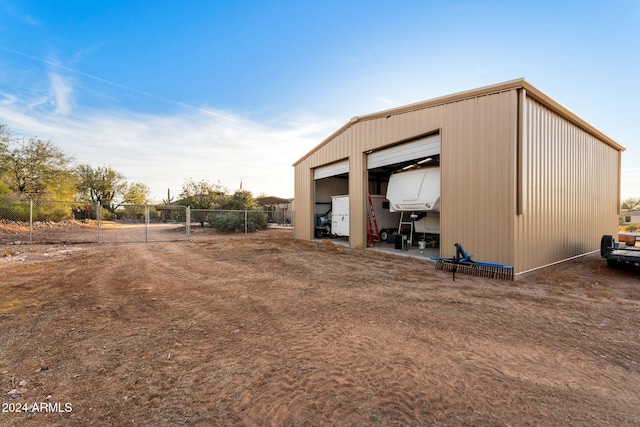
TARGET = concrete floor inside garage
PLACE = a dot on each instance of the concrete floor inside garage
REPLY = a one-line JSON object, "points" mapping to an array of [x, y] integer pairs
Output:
{"points": [[412, 251]]}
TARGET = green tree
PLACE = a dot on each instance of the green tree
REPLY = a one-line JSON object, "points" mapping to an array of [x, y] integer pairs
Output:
{"points": [[202, 195], [102, 185], [36, 169], [136, 193], [237, 222], [241, 200]]}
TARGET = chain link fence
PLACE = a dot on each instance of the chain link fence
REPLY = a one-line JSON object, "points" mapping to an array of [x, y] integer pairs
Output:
{"points": [[28, 220], [51, 221], [280, 218]]}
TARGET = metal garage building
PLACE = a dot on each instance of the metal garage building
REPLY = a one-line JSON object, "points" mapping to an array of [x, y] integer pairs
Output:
{"points": [[523, 181]]}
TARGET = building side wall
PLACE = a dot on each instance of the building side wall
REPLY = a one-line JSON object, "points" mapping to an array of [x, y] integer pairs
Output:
{"points": [[478, 164], [570, 190]]}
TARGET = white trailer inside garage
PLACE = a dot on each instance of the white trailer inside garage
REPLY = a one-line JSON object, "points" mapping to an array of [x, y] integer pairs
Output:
{"points": [[387, 220]]}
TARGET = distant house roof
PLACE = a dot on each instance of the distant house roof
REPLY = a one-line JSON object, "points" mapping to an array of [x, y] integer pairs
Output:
{"points": [[272, 200], [168, 207]]}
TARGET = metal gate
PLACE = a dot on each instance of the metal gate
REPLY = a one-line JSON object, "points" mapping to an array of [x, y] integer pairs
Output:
{"points": [[134, 223]]}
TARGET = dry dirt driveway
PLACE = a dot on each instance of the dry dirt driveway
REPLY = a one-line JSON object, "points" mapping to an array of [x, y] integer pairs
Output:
{"points": [[271, 331]]}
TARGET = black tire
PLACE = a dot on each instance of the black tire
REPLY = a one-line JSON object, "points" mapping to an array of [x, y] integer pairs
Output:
{"points": [[384, 235], [606, 242]]}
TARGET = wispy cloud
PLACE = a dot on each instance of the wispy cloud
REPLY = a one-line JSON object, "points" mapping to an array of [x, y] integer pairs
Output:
{"points": [[12, 11], [61, 94], [163, 151], [386, 102], [29, 20]]}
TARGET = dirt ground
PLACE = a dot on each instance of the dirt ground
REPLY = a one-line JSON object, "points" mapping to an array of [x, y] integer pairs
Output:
{"points": [[236, 331]]}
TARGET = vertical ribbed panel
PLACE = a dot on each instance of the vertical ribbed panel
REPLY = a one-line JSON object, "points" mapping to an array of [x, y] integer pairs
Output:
{"points": [[570, 198], [303, 213], [478, 186]]}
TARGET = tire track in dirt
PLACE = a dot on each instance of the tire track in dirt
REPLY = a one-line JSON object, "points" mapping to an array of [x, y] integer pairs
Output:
{"points": [[323, 364], [322, 356]]}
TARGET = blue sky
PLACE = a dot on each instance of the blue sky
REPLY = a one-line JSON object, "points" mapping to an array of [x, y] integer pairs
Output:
{"points": [[225, 91]]}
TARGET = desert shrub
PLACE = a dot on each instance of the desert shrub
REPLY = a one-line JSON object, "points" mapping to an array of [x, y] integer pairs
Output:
{"points": [[233, 222], [4, 189], [108, 215], [20, 210], [55, 214], [15, 211], [258, 219]]}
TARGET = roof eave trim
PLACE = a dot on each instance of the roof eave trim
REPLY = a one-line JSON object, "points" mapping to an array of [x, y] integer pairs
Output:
{"points": [[544, 99]]}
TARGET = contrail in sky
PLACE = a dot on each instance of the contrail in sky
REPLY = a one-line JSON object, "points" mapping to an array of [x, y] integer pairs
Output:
{"points": [[118, 85]]}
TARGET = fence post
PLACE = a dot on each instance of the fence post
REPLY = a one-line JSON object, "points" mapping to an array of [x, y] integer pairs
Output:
{"points": [[146, 224], [30, 220], [187, 218], [245, 221], [98, 222]]}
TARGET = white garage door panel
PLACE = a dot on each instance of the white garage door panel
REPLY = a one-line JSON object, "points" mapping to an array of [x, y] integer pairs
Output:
{"points": [[332, 169], [419, 148]]}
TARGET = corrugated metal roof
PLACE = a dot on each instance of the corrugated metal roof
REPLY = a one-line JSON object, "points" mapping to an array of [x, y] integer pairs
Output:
{"points": [[521, 83]]}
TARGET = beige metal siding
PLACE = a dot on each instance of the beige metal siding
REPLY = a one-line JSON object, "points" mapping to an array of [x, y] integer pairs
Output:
{"points": [[478, 168], [303, 215], [570, 190]]}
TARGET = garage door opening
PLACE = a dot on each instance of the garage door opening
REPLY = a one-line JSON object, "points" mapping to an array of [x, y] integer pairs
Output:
{"points": [[331, 201], [407, 176]]}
